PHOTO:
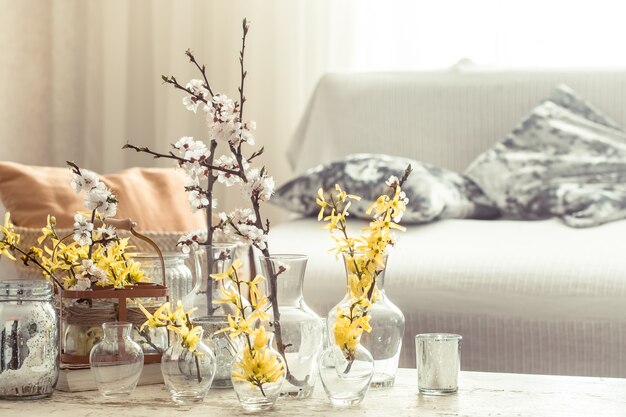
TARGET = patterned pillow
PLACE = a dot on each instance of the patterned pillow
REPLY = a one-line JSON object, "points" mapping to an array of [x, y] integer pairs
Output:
{"points": [[434, 193], [565, 159]]}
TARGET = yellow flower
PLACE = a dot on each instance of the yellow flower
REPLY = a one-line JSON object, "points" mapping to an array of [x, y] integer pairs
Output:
{"points": [[189, 337], [158, 319], [230, 273], [320, 201], [239, 325], [8, 237], [342, 196], [258, 365], [49, 230]]}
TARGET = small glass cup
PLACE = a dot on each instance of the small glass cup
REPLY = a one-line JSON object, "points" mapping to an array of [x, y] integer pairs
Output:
{"points": [[438, 358]]}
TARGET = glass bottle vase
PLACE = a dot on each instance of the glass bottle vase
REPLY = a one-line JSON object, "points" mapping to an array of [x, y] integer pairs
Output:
{"points": [[188, 375], [117, 361], [258, 373], [384, 341], [301, 330], [213, 259], [29, 363]]}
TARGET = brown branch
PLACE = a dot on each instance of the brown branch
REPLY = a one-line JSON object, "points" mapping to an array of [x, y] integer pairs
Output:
{"points": [[202, 69], [172, 80], [242, 97], [171, 155]]}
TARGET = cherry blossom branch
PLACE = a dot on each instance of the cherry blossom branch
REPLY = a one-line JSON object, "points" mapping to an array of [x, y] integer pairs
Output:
{"points": [[172, 80], [243, 72], [171, 155]]}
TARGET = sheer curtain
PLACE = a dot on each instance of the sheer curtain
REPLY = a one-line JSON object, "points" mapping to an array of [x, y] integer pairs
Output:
{"points": [[80, 78]]}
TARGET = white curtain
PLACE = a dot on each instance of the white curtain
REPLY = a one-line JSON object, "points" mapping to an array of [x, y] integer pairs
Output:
{"points": [[79, 78]]}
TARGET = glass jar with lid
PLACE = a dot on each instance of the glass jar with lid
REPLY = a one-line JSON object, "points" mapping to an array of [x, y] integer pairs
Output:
{"points": [[29, 337]]}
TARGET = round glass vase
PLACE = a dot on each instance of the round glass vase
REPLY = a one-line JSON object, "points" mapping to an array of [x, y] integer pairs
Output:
{"points": [[29, 339], [117, 361], [258, 375], [384, 341], [346, 381], [188, 375], [301, 330]]}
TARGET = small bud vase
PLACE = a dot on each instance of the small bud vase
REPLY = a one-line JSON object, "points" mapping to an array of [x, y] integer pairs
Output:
{"points": [[345, 381], [301, 330], [188, 375], [117, 361], [258, 373]]}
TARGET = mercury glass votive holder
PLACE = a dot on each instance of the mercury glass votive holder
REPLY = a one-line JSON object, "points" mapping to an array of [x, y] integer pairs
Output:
{"points": [[438, 358]]}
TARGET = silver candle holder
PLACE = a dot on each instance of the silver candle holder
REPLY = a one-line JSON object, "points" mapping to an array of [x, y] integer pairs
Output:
{"points": [[438, 358]]}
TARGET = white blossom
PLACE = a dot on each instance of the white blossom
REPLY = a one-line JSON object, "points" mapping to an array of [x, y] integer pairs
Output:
{"points": [[258, 185], [240, 226], [82, 230], [81, 284], [93, 273], [198, 200], [192, 102], [228, 162], [191, 240], [392, 181], [101, 199], [107, 233], [84, 182]]}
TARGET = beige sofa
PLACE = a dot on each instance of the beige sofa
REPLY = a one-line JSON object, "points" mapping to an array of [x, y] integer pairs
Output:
{"points": [[530, 297]]}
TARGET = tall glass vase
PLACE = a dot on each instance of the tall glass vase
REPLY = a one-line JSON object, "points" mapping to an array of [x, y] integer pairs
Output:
{"points": [[384, 341], [213, 259], [210, 314], [301, 330]]}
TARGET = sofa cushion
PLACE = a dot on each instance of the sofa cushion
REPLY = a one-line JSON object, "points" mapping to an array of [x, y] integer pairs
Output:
{"points": [[434, 193], [153, 197], [560, 161]]}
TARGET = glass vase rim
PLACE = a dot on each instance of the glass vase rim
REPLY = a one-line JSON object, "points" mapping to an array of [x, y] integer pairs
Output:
{"points": [[345, 254], [285, 256], [117, 325], [438, 336], [169, 255]]}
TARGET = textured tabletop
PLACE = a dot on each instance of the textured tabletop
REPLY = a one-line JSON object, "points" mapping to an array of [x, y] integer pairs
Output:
{"points": [[480, 394]]}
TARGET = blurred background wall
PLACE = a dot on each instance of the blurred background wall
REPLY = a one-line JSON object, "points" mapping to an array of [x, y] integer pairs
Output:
{"points": [[79, 78]]}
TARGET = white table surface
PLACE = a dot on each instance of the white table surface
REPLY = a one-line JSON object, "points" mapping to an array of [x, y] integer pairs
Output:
{"points": [[480, 394]]}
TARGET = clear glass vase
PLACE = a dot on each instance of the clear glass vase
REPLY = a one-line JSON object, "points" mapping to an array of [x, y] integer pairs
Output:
{"points": [[345, 381], [258, 374], [188, 375], [117, 361], [384, 342], [223, 346], [29, 339], [301, 330], [214, 259], [179, 278]]}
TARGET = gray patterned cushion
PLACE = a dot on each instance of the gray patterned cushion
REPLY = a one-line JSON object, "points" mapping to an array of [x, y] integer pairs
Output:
{"points": [[565, 159], [434, 193]]}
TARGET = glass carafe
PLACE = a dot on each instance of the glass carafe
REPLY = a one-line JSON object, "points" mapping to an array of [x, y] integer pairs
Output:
{"points": [[301, 330], [385, 339], [384, 342], [214, 259]]}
